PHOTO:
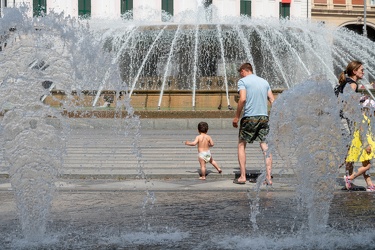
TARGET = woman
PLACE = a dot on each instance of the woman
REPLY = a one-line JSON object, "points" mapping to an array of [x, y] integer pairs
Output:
{"points": [[353, 72], [349, 77]]}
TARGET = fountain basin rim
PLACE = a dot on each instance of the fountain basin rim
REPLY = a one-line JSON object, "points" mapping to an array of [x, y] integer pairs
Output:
{"points": [[140, 91], [152, 114], [202, 26]]}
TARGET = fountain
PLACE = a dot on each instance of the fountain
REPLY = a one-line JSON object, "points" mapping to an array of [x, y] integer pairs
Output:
{"points": [[197, 56], [79, 61], [312, 122]]}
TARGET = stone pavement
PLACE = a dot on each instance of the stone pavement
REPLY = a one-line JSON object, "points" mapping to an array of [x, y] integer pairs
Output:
{"points": [[100, 149], [104, 152]]}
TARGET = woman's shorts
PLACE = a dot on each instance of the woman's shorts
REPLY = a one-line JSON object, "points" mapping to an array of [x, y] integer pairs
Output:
{"points": [[254, 128]]}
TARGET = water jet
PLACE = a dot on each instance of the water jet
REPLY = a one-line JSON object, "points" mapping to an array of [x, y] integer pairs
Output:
{"points": [[90, 64]]}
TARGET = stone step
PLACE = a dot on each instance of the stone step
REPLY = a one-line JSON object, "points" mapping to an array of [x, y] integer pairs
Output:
{"points": [[103, 151]]}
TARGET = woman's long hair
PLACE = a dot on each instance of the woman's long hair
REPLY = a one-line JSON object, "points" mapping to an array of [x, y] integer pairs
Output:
{"points": [[349, 71]]}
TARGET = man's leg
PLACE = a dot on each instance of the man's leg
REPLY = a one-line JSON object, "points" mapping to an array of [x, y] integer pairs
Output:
{"points": [[242, 160], [268, 161]]}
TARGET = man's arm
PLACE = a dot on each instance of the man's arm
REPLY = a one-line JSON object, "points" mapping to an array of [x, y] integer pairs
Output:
{"points": [[270, 96], [241, 104]]}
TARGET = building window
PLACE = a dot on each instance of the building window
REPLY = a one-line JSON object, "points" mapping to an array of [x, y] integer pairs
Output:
{"points": [[126, 7], [245, 7], [3, 4], [167, 7], [207, 5], [84, 8], [284, 10], [357, 2], [39, 7]]}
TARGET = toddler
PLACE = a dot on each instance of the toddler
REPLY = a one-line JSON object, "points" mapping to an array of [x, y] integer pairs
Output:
{"points": [[204, 143]]}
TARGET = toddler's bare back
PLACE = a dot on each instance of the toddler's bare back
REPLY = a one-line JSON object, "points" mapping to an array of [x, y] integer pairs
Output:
{"points": [[204, 142]]}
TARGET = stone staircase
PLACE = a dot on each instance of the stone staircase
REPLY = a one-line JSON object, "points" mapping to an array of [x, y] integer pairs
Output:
{"points": [[100, 148]]}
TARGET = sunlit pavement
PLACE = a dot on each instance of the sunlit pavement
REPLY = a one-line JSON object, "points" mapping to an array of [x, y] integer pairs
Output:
{"points": [[100, 157]]}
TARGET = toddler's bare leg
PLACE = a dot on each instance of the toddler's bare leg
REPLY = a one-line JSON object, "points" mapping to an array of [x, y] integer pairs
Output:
{"points": [[215, 165], [203, 168]]}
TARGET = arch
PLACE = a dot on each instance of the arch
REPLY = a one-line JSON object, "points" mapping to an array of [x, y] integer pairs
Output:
{"points": [[358, 28]]}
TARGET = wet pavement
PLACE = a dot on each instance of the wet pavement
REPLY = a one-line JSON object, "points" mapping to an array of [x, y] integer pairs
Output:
{"points": [[189, 214], [107, 198]]}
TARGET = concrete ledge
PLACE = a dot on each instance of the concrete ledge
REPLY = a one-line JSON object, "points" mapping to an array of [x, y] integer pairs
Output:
{"points": [[145, 124], [4, 175], [159, 124]]}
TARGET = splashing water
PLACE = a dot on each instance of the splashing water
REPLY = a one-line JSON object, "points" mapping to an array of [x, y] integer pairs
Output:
{"points": [[69, 55], [38, 55], [34, 150], [305, 131], [194, 54]]}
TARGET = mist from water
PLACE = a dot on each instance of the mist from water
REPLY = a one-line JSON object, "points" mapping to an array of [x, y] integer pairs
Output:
{"points": [[68, 53], [38, 55], [308, 134], [193, 53]]}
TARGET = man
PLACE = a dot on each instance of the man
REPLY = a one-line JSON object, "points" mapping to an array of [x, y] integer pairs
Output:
{"points": [[254, 93]]}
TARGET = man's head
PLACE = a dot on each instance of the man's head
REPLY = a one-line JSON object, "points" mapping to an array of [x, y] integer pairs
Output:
{"points": [[245, 69], [203, 127]]}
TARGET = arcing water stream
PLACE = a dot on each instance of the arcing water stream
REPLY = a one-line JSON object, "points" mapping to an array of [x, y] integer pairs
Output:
{"points": [[118, 55]]}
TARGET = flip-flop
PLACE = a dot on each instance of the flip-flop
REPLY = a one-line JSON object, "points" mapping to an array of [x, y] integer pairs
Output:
{"points": [[347, 182], [235, 181]]}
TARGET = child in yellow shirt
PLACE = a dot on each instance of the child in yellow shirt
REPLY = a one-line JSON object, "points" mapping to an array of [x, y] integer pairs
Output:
{"points": [[363, 151]]}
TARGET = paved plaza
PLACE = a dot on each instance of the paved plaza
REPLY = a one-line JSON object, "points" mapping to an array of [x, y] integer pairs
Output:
{"points": [[141, 191], [98, 150]]}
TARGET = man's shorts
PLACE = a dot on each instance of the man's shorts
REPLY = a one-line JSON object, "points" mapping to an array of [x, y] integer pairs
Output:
{"points": [[254, 128]]}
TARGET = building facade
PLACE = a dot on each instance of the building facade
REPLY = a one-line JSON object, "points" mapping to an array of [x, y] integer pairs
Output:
{"points": [[141, 8], [356, 15]]}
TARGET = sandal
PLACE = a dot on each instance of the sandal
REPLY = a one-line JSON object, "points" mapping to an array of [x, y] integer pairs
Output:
{"points": [[370, 188], [348, 185]]}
